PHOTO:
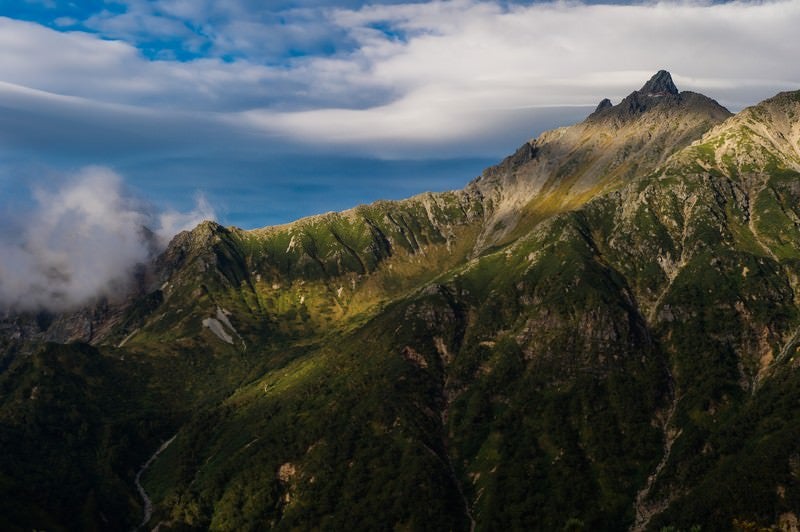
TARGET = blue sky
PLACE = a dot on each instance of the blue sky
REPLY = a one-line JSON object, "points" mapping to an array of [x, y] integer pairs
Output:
{"points": [[277, 110], [120, 114]]}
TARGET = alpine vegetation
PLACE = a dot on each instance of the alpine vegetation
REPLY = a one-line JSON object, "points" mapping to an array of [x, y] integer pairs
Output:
{"points": [[600, 332]]}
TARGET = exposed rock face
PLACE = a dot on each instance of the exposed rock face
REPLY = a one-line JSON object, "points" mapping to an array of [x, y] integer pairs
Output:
{"points": [[566, 167], [601, 331], [605, 103], [660, 85]]}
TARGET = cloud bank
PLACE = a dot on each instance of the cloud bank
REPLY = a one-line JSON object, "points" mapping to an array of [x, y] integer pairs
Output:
{"points": [[283, 106], [398, 80], [82, 241]]}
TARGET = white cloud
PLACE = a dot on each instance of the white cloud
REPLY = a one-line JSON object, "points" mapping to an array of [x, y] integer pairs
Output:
{"points": [[81, 64], [81, 241], [172, 222], [447, 75], [64, 22], [462, 69], [438, 79]]}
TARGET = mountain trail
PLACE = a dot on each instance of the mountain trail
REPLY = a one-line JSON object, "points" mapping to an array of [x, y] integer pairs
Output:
{"points": [[652, 314], [447, 400], [752, 226], [673, 270], [643, 509], [787, 347], [467, 510], [449, 462], [147, 511]]}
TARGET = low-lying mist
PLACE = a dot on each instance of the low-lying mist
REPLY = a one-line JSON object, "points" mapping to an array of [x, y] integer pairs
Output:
{"points": [[83, 240]]}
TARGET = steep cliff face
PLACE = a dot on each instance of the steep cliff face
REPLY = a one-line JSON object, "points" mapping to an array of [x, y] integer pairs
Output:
{"points": [[599, 333], [564, 168]]}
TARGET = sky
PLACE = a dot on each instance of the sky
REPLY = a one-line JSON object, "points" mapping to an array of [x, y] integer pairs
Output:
{"points": [[257, 113]]}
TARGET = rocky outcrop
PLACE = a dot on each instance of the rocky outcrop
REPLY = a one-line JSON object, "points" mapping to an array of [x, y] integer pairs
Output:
{"points": [[660, 84], [599, 332], [564, 168]]}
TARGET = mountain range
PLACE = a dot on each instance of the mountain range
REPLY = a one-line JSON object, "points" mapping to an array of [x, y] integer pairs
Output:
{"points": [[601, 332]]}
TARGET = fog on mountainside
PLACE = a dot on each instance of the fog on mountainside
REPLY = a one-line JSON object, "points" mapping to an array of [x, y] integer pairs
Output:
{"points": [[87, 239], [82, 241], [601, 332]]}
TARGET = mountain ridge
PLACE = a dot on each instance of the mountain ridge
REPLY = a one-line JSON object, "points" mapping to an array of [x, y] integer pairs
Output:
{"points": [[596, 334]]}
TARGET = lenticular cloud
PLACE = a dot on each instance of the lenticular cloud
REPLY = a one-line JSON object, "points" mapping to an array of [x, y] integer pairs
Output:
{"points": [[82, 241]]}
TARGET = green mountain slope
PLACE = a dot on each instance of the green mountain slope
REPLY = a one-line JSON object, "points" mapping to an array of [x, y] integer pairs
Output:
{"points": [[599, 333]]}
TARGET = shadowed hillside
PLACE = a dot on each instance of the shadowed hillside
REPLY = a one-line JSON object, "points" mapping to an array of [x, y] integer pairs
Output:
{"points": [[599, 333]]}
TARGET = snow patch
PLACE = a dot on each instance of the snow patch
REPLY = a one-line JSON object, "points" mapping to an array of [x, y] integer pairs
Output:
{"points": [[216, 327], [222, 327], [125, 341], [147, 510], [292, 245], [222, 315]]}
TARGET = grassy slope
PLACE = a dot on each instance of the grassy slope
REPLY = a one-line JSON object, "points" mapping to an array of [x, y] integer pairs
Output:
{"points": [[379, 376]]}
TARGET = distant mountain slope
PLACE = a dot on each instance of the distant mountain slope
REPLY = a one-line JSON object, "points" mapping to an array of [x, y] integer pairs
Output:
{"points": [[564, 168], [599, 333]]}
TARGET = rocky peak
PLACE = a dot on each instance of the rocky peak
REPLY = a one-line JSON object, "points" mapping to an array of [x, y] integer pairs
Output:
{"points": [[661, 97], [757, 143], [604, 104], [186, 244], [659, 85]]}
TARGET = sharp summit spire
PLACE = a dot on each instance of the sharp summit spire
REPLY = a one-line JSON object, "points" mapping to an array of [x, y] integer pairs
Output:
{"points": [[659, 85]]}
